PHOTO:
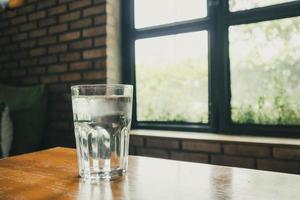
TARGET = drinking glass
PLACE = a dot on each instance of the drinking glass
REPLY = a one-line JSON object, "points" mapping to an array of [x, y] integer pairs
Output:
{"points": [[102, 119]]}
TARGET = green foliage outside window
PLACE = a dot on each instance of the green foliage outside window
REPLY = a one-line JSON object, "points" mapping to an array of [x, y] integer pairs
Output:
{"points": [[265, 72]]}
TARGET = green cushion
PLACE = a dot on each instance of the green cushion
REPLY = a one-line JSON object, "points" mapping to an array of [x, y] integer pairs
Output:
{"points": [[6, 130], [28, 110], [2, 107]]}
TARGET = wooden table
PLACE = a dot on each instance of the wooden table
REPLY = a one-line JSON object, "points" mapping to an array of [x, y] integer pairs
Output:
{"points": [[52, 174]]}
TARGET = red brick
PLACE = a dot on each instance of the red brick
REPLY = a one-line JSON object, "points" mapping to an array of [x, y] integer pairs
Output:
{"points": [[91, 32], [69, 36], [37, 33], [82, 44], [37, 15], [69, 16], [193, 145], [232, 161], [287, 153], [80, 66], [191, 157], [164, 143], [38, 51], [95, 10], [101, 20], [47, 22], [70, 77], [136, 141], [28, 43], [48, 59], [19, 20], [57, 10], [47, 40], [94, 75], [247, 150], [157, 153], [100, 41], [81, 23], [57, 48], [28, 62], [69, 57], [37, 70], [79, 4], [45, 4], [49, 79], [28, 26], [57, 68], [94, 53], [58, 28], [278, 165]]}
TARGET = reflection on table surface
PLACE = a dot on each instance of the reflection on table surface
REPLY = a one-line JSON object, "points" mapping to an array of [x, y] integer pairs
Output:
{"points": [[52, 174]]}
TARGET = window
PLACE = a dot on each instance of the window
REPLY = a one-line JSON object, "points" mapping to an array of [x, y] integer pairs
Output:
{"points": [[237, 5], [230, 66], [265, 76], [168, 81], [168, 11]]}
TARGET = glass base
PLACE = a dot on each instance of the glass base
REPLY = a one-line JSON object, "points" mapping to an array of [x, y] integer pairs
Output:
{"points": [[103, 175]]}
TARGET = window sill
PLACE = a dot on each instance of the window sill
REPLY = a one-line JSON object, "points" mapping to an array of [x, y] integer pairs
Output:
{"points": [[216, 137]]}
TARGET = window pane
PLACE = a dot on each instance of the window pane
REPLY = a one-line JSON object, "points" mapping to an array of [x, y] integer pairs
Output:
{"points": [[172, 78], [265, 71], [236, 5], [157, 12]]}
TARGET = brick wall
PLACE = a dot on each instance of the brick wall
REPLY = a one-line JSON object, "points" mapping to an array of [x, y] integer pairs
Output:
{"points": [[60, 43], [273, 157]]}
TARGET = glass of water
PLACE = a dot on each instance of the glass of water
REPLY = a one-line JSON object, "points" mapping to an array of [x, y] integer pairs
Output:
{"points": [[102, 119]]}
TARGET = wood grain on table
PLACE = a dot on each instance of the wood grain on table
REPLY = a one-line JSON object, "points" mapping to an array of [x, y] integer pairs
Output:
{"points": [[52, 174]]}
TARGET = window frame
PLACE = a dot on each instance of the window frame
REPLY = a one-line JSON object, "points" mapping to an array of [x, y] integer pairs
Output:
{"points": [[217, 23]]}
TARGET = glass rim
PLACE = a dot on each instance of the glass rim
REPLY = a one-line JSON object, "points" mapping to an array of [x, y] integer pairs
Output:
{"points": [[118, 86]]}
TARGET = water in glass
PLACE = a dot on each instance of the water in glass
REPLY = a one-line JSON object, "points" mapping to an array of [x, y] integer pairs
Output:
{"points": [[102, 126]]}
